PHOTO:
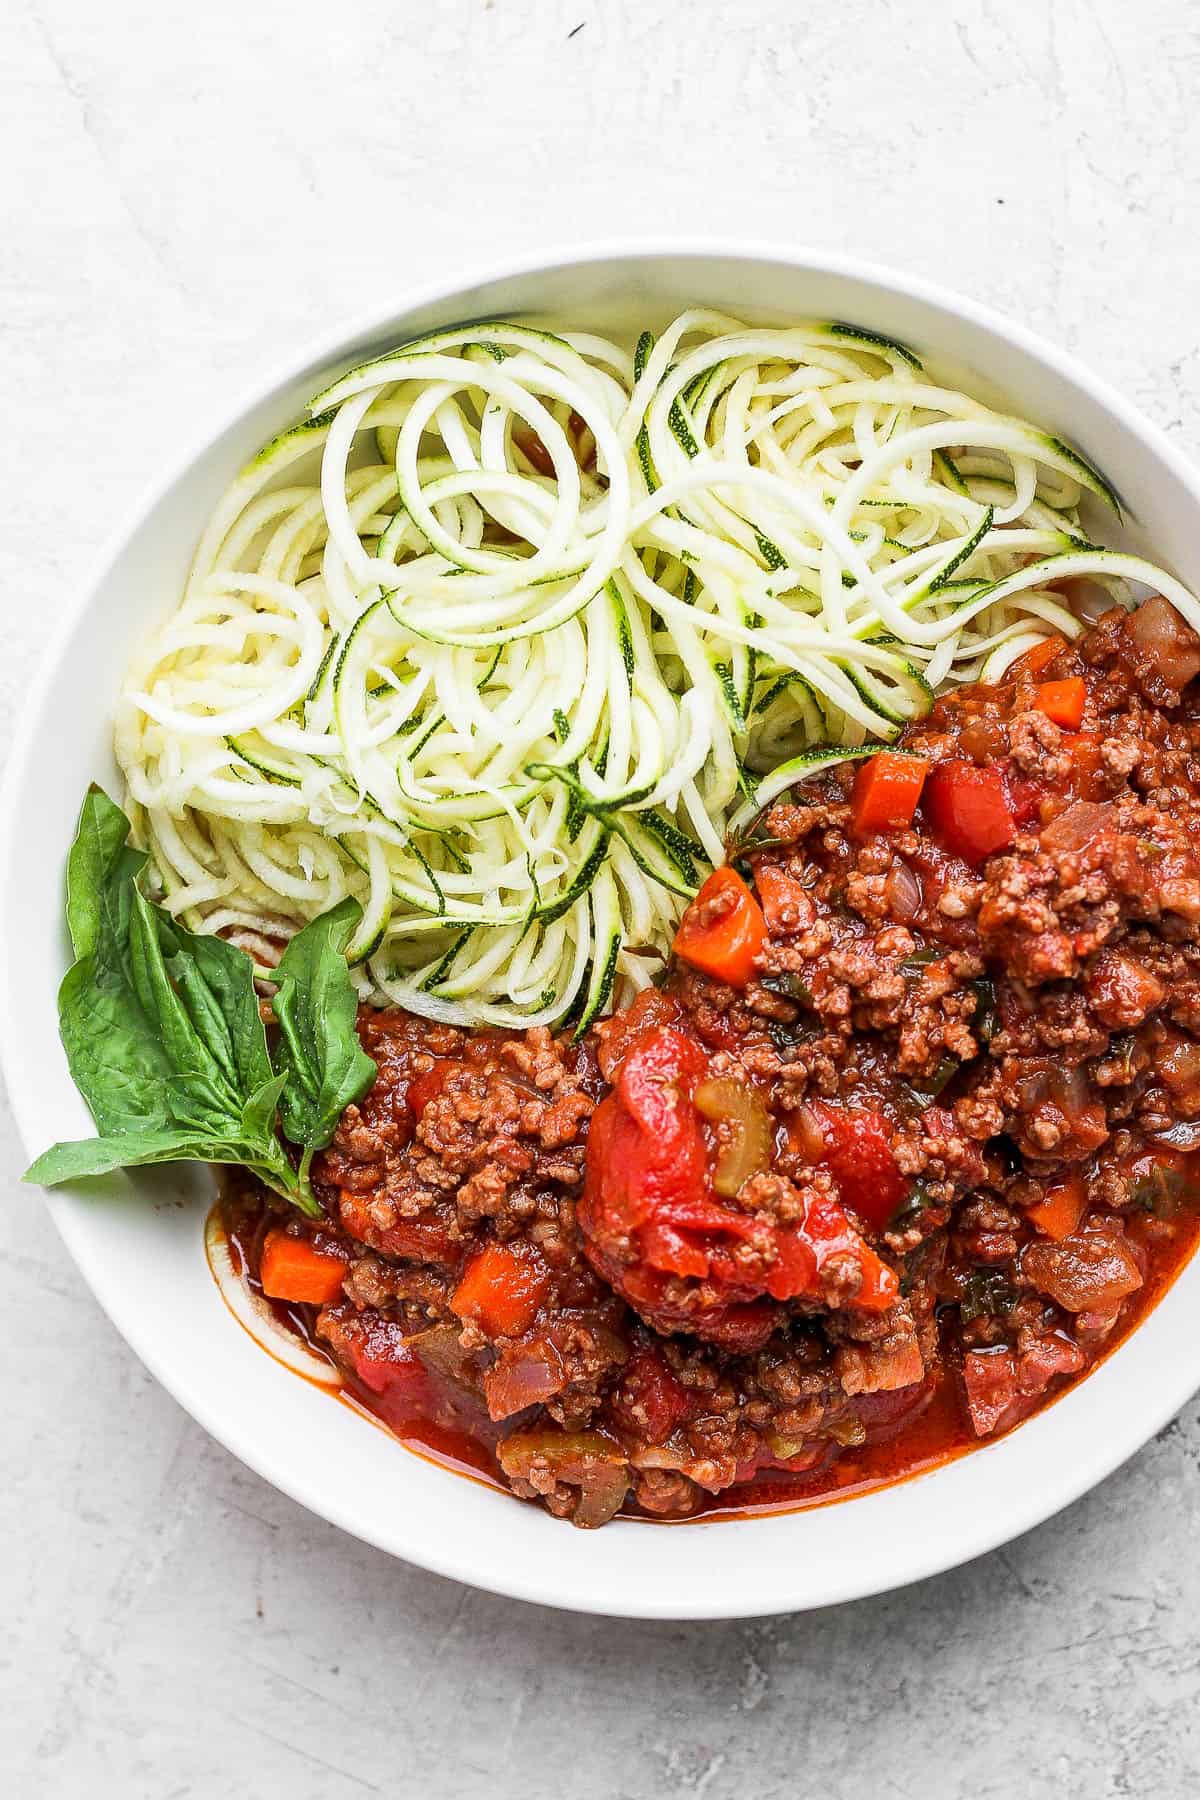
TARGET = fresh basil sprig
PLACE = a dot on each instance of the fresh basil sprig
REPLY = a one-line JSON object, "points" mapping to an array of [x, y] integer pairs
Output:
{"points": [[324, 1065], [165, 1038]]}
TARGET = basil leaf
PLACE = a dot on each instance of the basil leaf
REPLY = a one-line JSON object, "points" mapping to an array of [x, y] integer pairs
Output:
{"points": [[165, 1036], [216, 980], [923, 1093], [139, 1149], [203, 995], [258, 1114], [985, 1292], [115, 1054], [317, 1007], [199, 1093], [100, 869]]}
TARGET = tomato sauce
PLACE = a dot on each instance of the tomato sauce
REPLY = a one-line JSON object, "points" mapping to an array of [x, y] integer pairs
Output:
{"points": [[906, 1143], [926, 1429]]}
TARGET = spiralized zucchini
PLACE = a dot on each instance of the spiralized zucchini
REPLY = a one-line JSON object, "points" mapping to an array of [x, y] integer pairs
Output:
{"points": [[519, 624]]}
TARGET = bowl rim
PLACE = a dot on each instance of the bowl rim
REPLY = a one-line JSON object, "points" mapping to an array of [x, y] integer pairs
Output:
{"points": [[993, 1527]]}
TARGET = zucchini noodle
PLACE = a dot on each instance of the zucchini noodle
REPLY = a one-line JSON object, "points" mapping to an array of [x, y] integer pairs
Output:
{"points": [[518, 626]]}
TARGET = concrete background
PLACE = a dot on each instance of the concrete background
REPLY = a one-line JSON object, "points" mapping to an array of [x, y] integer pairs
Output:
{"points": [[187, 191]]}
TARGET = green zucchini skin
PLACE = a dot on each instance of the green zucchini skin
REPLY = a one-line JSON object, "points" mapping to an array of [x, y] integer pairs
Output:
{"points": [[549, 616]]}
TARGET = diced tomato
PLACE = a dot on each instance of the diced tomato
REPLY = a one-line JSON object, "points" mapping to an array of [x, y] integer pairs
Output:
{"points": [[787, 905], [293, 1269], [1045, 1357], [1063, 701], [430, 1086], [411, 1390], [662, 1159], [886, 790], [651, 1398], [615, 1037], [649, 1190], [1039, 657], [883, 1410], [804, 1249], [858, 1154], [501, 1289], [993, 1399], [1060, 1209], [723, 930], [1025, 797], [969, 808], [795, 1271], [673, 1251], [427, 1238], [647, 1159], [383, 1362]]}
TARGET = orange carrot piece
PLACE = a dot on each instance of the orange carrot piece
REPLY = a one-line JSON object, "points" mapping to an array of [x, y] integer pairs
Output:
{"points": [[723, 930], [292, 1269], [886, 790], [1063, 701], [501, 1290], [1060, 1209]]}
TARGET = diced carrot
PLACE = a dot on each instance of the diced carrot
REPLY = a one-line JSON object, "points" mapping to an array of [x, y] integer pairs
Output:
{"points": [[1087, 764], [1063, 701], [501, 1289], [886, 791], [1060, 1209], [723, 930], [1037, 658], [293, 1269]]}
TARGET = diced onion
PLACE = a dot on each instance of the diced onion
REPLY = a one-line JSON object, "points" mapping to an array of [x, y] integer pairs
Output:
{"points": [[1078, 824], [1171, 649], [902, 888]]}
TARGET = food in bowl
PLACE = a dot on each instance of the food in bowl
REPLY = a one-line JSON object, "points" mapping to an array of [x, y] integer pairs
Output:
{"points": [[639, 1188]]}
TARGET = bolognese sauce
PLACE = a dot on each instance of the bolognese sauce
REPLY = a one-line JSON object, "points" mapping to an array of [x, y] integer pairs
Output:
{"points": [[905, 1142]]}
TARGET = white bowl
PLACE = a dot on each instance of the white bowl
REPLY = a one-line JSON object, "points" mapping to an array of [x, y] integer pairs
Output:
{"points": [[145, 1262]]}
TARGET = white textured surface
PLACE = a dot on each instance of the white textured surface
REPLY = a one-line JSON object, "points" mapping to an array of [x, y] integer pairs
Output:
{"points": [[184, 195]]}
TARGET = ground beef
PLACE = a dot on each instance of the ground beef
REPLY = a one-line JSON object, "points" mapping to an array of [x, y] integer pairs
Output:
{"points": [[976, 1077]]}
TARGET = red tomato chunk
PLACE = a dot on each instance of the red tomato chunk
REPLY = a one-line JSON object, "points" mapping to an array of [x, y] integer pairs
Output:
{"points": [[858, 1154], [650, 1212], [969, 809]]}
